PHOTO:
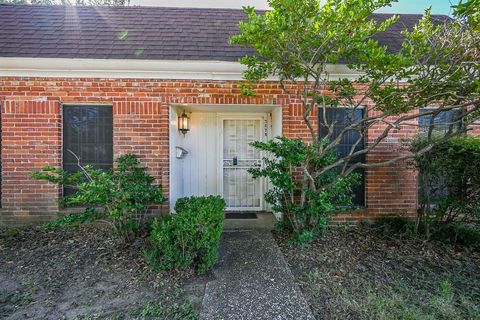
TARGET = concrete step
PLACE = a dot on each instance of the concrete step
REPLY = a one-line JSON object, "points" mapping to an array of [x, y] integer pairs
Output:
{"points": [[264, 221]]}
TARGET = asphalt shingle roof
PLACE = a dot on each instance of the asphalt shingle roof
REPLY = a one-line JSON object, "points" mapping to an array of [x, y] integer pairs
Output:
{"points": [[153, 33]]}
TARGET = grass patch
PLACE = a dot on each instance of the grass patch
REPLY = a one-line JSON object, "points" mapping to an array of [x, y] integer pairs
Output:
{"points": [[365, 273], [392, 303], [8, 236], [182, 311]]}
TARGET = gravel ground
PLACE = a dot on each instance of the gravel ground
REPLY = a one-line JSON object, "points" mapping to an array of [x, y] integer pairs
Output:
{"points": [[84, 273], [360, 273]]}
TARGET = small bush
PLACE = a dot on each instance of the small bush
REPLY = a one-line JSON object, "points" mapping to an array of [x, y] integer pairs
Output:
{"points": [[307, 208], [449, 185], [459, 233], [397, 225], [122, 194], [190, 237], [8, 236]]}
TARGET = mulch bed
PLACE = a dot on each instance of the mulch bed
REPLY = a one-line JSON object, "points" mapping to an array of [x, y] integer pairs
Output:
{"points": [[361, 273], [82, 273]]}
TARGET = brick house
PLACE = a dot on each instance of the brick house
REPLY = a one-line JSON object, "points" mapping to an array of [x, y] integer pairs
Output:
{"points": [[108, 81]]}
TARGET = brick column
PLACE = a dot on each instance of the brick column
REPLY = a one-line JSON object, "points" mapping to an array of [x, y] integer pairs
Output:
{"points": [[142, 128], [31, 139]]}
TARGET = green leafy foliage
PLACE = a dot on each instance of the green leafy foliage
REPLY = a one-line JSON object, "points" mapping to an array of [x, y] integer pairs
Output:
{"points": [[298, 34], [298, 41], [449, 185], [307, 212], [73, 219], [176, 311], [400, 226], [469, 11], [190, 237], [8, 236], [122, 194]]}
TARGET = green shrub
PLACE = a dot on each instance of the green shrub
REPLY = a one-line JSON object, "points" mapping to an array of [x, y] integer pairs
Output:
{"points": [[73, 219], [397, 225], [459, 233], [8, 236], [307, 208], [122, 194], [449, 185], [190, 236]]}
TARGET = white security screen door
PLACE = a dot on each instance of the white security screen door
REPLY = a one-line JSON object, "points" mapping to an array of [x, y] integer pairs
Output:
{"points": [[240, 190]]}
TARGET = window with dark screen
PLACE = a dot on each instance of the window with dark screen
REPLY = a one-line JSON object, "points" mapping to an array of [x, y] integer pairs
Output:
{"points": [[441, 122], [341, 118], [88, 133]]}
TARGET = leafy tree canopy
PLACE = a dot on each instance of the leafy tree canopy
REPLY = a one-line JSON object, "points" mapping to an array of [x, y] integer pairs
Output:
{"points": [[298, 41], [302, 42], [469, 11]]}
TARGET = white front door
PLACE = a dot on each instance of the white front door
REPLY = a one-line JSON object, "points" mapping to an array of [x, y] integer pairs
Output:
{"points": [[240, 190]]}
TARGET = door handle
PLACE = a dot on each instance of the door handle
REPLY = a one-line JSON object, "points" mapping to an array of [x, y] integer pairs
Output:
{"points": [[235, 161]]}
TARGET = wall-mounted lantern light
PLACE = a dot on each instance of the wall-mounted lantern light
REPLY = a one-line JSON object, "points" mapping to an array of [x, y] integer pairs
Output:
{"points": [[183, 123]]}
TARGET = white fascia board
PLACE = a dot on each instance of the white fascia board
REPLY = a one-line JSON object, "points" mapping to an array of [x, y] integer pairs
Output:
{"points": [[129, 68]]}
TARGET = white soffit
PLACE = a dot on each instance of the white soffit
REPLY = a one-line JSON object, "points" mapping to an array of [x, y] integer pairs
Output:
{"points": [[128, 68]]}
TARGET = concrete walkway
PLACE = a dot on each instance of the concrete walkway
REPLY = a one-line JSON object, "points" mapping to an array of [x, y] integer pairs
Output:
{"points": [[252, 279]]}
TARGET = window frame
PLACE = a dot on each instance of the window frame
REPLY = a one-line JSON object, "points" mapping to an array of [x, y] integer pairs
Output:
{"points": [[363, 173], [432, 107], [434, 197], [64, 151]]}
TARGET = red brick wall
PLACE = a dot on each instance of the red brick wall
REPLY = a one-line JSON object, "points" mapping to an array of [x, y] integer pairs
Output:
{"points": [[31, 137], [392, 189], [475, 128], [142, 128], [141, 125]]}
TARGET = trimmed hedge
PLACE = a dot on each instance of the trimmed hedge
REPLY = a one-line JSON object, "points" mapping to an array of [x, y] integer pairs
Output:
{"points": [[190, 237]]}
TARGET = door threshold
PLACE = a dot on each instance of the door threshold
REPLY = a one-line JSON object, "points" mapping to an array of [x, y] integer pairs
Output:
{"points": [[240, 215]]}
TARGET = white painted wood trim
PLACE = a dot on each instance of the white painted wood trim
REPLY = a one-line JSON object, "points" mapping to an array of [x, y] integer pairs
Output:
{"points": [[130, 68], [171, 155], [180, 169]]}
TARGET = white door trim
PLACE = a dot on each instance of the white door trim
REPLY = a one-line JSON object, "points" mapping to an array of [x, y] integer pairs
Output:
{"points": [[265, 132]]}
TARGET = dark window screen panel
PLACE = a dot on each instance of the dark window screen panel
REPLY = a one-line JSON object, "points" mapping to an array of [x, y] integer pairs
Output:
{"points": [[441, 122], [341, 118], [88, 133]]}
